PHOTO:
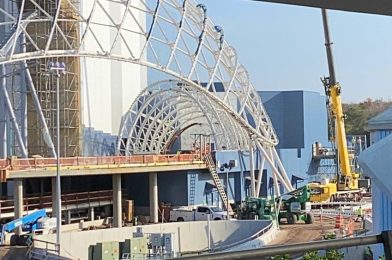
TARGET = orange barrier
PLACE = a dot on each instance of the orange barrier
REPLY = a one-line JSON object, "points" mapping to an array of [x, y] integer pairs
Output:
{"points": [[350, 227], [338, 221], [22, 164]]}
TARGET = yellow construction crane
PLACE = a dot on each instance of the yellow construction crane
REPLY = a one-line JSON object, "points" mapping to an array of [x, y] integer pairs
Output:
{"points": [[346, 183]]}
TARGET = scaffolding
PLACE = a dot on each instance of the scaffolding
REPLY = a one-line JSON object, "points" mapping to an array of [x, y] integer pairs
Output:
{"points": [[45, 83]]}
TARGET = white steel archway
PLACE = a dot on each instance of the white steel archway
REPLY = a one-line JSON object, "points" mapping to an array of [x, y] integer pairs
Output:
{"points": [[177, 38]]}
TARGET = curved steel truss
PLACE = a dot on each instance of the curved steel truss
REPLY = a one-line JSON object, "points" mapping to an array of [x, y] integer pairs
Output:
{"points": [[207, 84]]}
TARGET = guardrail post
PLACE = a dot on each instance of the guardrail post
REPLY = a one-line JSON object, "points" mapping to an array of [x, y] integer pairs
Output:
{"points": [[387, 241]]}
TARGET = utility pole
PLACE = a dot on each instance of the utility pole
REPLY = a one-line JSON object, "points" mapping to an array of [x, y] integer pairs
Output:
{"points": [[57, 69]]}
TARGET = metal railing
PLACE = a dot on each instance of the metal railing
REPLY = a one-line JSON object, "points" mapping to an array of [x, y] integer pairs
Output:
{"points": [[37, 202], [50, 250], [385, 238], [14, 164]]}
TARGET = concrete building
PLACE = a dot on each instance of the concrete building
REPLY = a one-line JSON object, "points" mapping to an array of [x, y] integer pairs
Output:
{"points": [[300, 119], [376, 161]]}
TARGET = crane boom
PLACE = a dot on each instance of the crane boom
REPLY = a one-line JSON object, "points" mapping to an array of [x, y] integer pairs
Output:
{"points": [[346, 178], [328, 44]]}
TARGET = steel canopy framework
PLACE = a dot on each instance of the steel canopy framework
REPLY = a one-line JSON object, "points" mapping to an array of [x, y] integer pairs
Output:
{"points": [[203, 83]]}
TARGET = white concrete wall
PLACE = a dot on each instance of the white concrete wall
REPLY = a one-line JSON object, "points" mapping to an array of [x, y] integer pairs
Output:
{"points": [[223, 233], [109, 87], [260, 241]]}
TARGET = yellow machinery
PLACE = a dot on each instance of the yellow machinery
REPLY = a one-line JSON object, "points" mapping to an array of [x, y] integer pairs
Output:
{"points": [[346, 182]]}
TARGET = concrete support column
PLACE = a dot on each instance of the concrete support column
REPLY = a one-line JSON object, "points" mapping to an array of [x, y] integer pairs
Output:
{"points": [[68, 217], [117, 208], [18, 202], [91, 213], [54, 199], [153, 180]]}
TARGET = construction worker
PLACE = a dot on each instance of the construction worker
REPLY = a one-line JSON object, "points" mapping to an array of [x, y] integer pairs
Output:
{"points": [[359, 214]]}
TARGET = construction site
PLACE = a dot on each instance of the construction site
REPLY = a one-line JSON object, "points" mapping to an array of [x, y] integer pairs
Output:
{"points": [[130, 130]]}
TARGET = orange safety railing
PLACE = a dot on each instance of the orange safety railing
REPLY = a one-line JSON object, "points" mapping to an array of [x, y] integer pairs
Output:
{"points": [[21, 164]]}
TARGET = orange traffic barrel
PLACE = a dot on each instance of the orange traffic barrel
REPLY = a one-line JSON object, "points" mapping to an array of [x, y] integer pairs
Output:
{"points": [[339, 221]]}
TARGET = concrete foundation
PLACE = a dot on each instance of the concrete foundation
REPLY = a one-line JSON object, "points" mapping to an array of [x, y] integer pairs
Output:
{"points": [[153, 180], [117, 207]]}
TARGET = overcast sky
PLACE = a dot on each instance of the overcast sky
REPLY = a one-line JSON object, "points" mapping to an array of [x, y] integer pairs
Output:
{"points": [[282, 47]]}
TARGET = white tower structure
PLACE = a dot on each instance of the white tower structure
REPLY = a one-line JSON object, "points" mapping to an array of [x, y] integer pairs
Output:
{"points": [[109, 87]]}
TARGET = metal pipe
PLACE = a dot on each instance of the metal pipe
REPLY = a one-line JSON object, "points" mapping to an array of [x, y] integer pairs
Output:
{"points": [[252, 169], [227, 193], [293, 248], [273, 168], [3, 120], [260, 176], [209, 230], [53, 25], [58, 178], [12, 115], [46, 134], [23, 98], [281, 167]]}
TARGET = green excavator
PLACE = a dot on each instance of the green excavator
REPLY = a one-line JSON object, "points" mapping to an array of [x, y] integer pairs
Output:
{"points": [[293, 206]]}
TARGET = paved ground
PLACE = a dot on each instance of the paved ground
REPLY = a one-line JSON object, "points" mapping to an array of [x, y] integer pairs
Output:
{"points": [[13, 253], [301, 232]]}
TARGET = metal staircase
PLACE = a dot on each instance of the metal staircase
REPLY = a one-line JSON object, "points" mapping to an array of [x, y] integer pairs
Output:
{"points": [[212, 168], [192, 189]]}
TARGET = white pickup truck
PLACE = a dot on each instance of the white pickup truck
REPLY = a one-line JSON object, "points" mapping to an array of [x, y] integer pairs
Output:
{"points": [[199, 213]]}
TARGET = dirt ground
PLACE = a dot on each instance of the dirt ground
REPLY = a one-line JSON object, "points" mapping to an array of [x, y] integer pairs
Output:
{"points": [[301, 232]]}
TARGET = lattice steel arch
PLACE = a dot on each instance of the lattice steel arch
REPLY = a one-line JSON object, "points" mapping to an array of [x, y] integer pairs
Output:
{"points": [[177, 38]]}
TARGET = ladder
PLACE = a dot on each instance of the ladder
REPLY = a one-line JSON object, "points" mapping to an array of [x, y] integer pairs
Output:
{"points": [[192, 189], [212, 168]]}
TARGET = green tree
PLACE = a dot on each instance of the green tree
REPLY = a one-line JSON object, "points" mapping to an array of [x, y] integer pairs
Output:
{"points": [[357, 114]]}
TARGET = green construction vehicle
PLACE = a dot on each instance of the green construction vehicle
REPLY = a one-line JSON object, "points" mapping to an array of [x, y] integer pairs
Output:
{"points": [[255, 208], [295, 206]]}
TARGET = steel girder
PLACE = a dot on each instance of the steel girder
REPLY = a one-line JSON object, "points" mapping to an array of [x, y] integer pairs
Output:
{"points": [[178, 39]]}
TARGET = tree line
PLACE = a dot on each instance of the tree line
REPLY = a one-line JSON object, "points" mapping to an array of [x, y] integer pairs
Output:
{"points": [[357, 114]]}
